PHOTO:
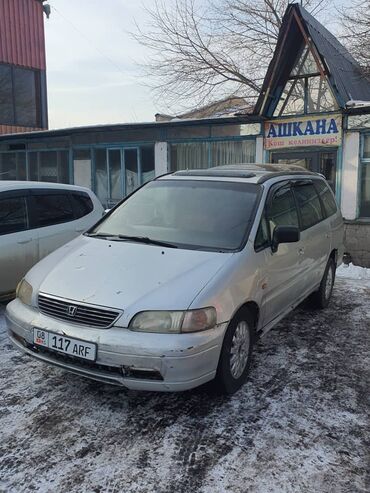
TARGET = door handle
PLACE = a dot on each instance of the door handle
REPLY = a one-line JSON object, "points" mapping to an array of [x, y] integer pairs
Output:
{"points": [[301, 251], [23, 242], [80, 230]]}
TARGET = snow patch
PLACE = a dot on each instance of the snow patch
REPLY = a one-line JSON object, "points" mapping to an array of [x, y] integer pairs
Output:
{"points": [[354, 272]]}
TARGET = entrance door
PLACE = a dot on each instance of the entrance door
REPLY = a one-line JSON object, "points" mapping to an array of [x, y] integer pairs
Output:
{"points": [[131, 163], [115, 176], [317, 161], [123, 172]]}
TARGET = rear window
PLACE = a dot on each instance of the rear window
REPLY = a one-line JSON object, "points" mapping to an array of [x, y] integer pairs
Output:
{"points": [[52, 209], [82, 204], [308, 204], [13, 215], [327, 197]]}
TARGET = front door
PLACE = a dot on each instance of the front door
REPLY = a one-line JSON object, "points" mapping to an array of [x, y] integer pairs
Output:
{"points": [[282, 272], [324, 162], [114, 176], [132, 176], [123, 172]]}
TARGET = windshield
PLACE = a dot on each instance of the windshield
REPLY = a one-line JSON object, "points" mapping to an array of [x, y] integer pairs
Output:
{"points": [[186, 213]]}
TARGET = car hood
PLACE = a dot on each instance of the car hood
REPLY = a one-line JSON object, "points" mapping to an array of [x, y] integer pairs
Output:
{"points": [[129, 276]]}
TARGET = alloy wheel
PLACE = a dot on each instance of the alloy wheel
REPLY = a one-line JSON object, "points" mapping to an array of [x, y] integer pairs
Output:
{"points": [[239, 351]]}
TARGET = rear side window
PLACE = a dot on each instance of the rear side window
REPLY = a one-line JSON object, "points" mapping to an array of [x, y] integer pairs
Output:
{"points": [[309, 205], [282, 210], [52, 209], [327, 197], [82, 204], [13, 215]]}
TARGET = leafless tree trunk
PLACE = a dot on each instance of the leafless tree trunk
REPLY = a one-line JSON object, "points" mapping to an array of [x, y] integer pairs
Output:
{"points": [[356, 24], [203, 50]]}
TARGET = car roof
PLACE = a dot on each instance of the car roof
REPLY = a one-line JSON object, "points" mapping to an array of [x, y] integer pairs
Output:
{"points": [[6, 185], [252, 173]]}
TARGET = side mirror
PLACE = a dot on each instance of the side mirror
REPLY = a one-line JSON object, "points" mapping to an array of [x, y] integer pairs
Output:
{"points": [[284, 234]]}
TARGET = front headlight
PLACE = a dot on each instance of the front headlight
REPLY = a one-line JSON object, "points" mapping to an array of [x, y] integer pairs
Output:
{"points": [[174, 322], [24, 292]]}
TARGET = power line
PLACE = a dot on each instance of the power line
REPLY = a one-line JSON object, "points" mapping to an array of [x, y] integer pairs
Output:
{"points": [[98, 50]]}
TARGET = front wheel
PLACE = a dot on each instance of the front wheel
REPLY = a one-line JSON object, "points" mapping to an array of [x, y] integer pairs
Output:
{"points": [[321, 298], [236, 352]]}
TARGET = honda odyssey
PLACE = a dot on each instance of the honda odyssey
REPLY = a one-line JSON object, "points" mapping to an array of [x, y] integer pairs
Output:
{"points": [[173, 286]]}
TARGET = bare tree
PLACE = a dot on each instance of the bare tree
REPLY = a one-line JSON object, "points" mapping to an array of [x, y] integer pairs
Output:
{"points": [[356, 26], [200, 51]]}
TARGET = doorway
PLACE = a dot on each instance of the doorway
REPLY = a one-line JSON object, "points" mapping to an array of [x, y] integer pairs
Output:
{"points": [[324, 162], [123, 172]]}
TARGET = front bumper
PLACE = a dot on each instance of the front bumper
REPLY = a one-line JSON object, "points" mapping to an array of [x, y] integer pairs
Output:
{"points": [[140, 361]]}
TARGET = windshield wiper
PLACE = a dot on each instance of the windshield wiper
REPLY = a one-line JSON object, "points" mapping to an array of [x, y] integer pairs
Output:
{"points": [[104, 236], [147, 240], [139, 239]]}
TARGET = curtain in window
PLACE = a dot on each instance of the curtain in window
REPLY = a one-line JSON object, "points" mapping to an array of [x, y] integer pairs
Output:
{"points": [[232, 152], [206, 154], [189, 156]]}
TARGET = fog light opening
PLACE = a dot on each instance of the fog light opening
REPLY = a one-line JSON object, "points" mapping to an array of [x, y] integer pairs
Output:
{"points": [[141, 373]]}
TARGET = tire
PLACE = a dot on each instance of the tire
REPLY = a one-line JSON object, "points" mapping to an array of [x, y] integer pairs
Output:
{"points": [[321, 298], [233, 368]]}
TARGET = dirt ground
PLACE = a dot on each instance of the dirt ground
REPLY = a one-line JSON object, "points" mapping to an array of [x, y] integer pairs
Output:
{"points": [[300, 424]]}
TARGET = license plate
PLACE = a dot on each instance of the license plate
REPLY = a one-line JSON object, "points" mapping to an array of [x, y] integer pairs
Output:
{"points": [[66, 345]]}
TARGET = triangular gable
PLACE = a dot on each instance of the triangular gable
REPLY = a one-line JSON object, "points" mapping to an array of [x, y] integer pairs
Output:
{"points": [[306, 90], [306, 73]]}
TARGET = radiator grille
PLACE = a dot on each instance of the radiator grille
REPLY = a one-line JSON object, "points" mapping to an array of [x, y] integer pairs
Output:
{"points": [[76, 312]]}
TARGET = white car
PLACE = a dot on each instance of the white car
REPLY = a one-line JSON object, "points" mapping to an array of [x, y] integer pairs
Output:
{"points": [[173, 286], [36, 219]]}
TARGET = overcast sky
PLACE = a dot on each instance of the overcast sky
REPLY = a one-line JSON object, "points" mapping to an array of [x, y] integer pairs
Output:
{"points": [[92, 63]]}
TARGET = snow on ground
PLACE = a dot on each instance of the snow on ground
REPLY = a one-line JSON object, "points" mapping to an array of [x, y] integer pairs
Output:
{"points": [[300, 424], [354, 272]]}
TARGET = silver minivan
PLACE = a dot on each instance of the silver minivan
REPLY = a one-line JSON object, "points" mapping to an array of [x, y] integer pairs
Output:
{"points": [[37, 218], [174, 285]]}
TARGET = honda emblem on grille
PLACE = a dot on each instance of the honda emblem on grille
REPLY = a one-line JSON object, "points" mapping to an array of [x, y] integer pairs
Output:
{"points": [[71, 310]]}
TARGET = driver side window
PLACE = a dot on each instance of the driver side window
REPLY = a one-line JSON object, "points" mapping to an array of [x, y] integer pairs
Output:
{"points": [[281, 210]]}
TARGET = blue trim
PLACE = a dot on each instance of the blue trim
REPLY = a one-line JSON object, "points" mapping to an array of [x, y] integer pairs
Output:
{"points": [[71, 167], [51, 149], [108, 175], [338, 111], [139, 172], [339, 173], [209, 154], [114, 145], [213, 139], [27, 167], [93, 169]]}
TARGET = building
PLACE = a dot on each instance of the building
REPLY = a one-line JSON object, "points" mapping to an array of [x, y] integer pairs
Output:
{"points": [[316, 102], [23, 99], [113, 160], [222, 108], [313, 110]]}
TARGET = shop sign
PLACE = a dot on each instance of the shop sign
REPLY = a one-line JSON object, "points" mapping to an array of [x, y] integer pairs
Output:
{"points": [[324, 130]]}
